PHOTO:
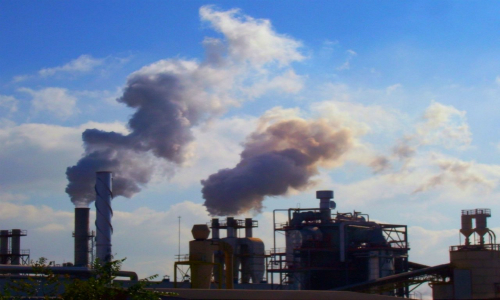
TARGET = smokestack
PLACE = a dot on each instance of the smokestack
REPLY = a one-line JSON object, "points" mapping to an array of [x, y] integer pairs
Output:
{"points": [[248, 227], [4, 246], [81, 236], [103, 188], [215, 229], [325, 204]]}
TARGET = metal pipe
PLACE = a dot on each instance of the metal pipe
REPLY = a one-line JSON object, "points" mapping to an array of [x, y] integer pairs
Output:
{"points": [[104, 214], [230, 227], [248, 227], [81, 236], [63, 270], [16, 246], [215, 229]]}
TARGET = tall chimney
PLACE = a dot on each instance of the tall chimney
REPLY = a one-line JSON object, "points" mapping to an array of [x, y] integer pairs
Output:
{"points": [[81, 236], [103, 188]]}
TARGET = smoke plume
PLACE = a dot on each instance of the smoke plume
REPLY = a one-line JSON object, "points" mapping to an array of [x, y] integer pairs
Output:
{"points": [[282, 156], [170, 97]]}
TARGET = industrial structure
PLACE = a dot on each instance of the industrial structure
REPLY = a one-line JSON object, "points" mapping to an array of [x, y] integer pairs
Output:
{"points": [[10, 248], [475, 264], [326, 251], [326, 254]]}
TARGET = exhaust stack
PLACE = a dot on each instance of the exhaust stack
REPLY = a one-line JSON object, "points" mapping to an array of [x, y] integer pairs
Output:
{"points": [[103, 188], [82, 236]]}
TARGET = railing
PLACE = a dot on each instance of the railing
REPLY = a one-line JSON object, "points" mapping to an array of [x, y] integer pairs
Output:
{"points": [[490, 247], [181, 257], [23, 252], [21, 233], [477, 211]]}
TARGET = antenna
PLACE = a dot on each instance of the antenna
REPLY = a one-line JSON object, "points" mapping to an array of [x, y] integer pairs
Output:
{"points": [[179, 245]]}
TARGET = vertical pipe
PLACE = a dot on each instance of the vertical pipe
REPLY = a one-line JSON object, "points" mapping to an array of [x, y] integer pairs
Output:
{"points": [[81, 236], [4, 246], [16, 246], [104, 213], [215, 229], [230, 227], [248, 227], [324, 204]]}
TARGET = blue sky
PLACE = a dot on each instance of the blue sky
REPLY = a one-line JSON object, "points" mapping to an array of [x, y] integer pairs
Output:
{"points": [[420, 74]]}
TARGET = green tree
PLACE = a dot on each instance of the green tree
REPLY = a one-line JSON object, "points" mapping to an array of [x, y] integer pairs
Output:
{"points": [[100, 286]]}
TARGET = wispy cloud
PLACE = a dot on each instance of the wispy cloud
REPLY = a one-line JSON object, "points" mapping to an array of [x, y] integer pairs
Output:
{"points": [[8, 103], [347, 64], [56, 101], [84, 63]]}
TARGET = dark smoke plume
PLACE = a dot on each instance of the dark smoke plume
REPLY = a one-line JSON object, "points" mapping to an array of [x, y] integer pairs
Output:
{"points": [[166, 110], [170, 97], [285, 155]]}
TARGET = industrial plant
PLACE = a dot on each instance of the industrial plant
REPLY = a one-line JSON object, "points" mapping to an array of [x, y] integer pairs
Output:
{"points": [[325, 254]]}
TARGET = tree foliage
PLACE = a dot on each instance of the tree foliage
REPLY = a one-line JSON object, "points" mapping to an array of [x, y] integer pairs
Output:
{"points": [[100, 286]]}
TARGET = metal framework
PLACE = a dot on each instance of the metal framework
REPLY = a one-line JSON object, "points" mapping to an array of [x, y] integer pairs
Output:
{"points": [[10, 256], [395, 235]]}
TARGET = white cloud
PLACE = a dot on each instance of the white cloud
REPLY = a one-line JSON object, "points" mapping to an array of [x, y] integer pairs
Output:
{"points": [[444, 125], [56, 101], [84, 63], [8, 103], [347, 64], [252, 39], [390, 89]]}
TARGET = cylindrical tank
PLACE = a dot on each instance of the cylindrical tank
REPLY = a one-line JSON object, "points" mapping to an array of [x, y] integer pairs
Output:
{"points": [[103, 216], [215, 229], [466, 229], [16, 246], [81, 236], [248, 227], [4, 246], [201, 256], [481, 226]]}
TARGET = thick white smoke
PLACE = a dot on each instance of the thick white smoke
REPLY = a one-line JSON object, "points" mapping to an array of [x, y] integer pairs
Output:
{"points": [[172, 96], [276, 158]]}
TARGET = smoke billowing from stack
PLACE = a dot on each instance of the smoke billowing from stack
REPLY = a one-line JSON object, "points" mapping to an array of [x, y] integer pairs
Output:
{"points": [[172, 96], [285, 155]]}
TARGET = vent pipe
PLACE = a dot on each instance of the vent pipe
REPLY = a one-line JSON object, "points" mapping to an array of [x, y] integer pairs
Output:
{"points": [[248, 227], [16, 246], [215, 229], [103, 188], [325, 205], [81, 236], [4, 246], [231, 228]]}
